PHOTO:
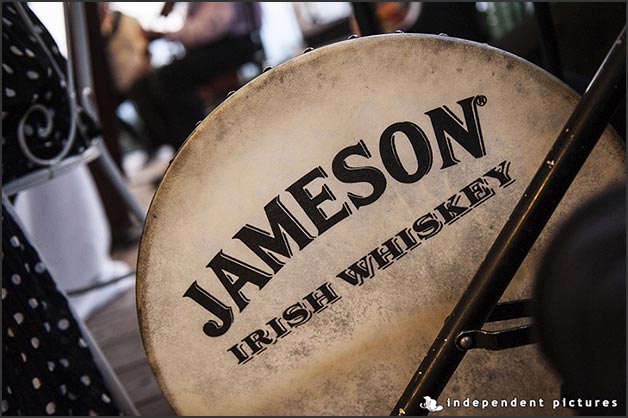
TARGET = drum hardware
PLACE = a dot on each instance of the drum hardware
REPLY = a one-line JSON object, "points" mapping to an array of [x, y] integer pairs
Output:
{"points": [[550, 183], [497, 340], [501, 340], [511, 310]]}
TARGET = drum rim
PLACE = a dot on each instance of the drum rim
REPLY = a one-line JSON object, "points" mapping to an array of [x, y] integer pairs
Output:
{"points": [[258, 82]]}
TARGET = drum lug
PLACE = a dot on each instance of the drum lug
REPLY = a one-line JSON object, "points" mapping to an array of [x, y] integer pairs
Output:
{"points": [[500, 340], [497, 340]]}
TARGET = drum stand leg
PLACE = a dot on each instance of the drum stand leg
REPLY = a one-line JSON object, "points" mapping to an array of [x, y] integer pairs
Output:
{"points": [[551, 181]]}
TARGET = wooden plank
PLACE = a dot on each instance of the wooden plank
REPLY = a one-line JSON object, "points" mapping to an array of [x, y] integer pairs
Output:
{"points": [[117, 325], [123, 306], [116, 330], [156, 406], [128, 352], [140, 383]]}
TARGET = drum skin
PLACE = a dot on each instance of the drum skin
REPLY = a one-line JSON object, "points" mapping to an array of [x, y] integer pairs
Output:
{"points": [[276, 139]]}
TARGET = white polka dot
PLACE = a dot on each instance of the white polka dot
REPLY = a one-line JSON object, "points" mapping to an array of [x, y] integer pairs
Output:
{"points": [[105, 398], [55, 50], [19, 318], [9, 390], [27, 267], [9, 92], [35, 342], [36, 383], [5, 405], [51, 366], [24, 358], [16, 279], [82, 343], [15, 241], [33, 75], [63, 389], [72, 396], [11, 9], [39, 268], [6, 68], [51, 408], [92, 413], [32, 302], [64, 362], [16, 50], [29, 53], [46, 326], [44, 305], [7, 22], [4, 293], [63, 324], [48, 94], [10, 332], [86, 380]]}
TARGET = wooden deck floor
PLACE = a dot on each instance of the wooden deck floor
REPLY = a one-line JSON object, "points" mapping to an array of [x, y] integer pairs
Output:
{"points": [[116, 329]]}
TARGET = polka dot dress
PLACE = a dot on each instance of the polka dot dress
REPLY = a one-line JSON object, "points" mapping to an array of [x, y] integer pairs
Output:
{"points": [[47, 367], [34, 96]]}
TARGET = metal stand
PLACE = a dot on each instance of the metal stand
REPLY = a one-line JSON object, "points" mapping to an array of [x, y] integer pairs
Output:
{"points": [[551, 181]]}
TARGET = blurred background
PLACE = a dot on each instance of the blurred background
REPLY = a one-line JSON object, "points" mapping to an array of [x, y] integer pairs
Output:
{"points": [[157, 68], [583, 33]]}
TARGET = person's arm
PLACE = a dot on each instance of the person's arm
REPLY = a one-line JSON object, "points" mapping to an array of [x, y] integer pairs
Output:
{"points": [[209, 23]]}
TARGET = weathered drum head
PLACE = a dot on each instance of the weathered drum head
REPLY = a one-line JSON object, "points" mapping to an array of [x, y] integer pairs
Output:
{"points": [[312, 234]]}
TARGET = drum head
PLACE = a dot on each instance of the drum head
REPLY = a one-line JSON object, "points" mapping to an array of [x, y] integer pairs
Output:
{"points": [[312, 234]]}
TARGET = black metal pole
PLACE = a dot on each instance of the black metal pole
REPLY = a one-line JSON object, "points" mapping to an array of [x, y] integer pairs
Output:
{"points": [[551, 181], [366, 18]]}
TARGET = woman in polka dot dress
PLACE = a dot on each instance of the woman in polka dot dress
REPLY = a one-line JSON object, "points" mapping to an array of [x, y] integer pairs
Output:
{"points": [[47, 368]]}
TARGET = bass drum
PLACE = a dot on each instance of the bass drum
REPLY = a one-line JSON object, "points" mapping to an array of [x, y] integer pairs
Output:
{"points": [[310, 237]]}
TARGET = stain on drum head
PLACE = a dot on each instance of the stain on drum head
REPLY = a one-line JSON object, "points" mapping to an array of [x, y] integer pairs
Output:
{"points": [[452, 132]]}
